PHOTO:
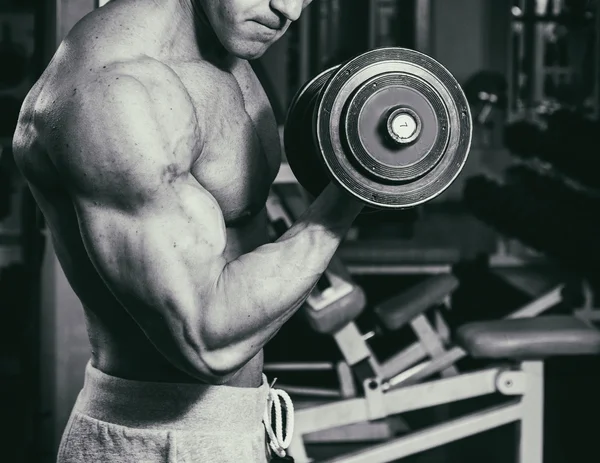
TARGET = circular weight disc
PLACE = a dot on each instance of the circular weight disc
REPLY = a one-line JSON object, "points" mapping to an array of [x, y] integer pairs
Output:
{"points": [[339, 90], [366, 127], [299, 136]]}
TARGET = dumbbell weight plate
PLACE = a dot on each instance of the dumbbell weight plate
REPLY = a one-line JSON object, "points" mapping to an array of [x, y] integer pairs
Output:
{"points": [[410, 140], [299, 136], [349, 135]]}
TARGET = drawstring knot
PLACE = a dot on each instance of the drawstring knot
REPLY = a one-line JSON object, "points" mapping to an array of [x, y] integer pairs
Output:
{"points": [[278, 441]]}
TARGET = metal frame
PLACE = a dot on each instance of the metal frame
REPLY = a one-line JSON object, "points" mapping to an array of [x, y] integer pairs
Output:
{"points": [[402, 372], [404, 368], [343, 372], [526, 382], [431, 344]]}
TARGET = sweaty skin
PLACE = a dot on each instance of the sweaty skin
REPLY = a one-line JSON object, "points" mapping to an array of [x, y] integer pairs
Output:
{"points": [[150, 147]]}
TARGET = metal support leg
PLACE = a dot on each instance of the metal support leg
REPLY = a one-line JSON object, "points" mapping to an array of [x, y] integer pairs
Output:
{"points": [[531, 432], [430, 339], [441, 326], [350, 342]]}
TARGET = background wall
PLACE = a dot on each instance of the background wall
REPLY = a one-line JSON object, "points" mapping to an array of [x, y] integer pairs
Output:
{"points": [[65, 349], [460, 38]]}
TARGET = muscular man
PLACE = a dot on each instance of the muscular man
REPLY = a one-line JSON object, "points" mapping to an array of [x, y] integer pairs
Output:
{"points": [[150, 147]]}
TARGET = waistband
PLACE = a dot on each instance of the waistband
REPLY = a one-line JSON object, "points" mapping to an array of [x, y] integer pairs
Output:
{"points": [[171, 406]]}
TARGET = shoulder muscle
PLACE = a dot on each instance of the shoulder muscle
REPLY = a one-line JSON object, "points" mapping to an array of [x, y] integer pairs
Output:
{"points": [[107, 140]]}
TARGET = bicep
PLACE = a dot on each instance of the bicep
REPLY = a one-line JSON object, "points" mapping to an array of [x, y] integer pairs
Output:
{"points": [[150, 247]]}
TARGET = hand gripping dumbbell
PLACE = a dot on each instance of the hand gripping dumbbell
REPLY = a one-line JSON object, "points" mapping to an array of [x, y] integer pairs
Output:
{"points": [[392, 127]]}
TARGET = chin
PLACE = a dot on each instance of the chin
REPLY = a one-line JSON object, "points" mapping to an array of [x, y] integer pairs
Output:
{"points": [[248, 50]]}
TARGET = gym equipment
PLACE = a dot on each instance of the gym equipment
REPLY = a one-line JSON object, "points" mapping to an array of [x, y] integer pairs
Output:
{"points": [[565, 144], [432, 351], [391, 126], [537, 222], [486, 91], [526, 341], [539, 305], [570, 203]]}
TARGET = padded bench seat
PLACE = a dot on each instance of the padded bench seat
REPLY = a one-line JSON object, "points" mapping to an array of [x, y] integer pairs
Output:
{"points": [[342, 309], [529, 338], [398, 311]]}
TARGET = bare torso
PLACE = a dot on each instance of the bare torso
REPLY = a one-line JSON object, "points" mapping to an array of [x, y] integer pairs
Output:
{"points": [[235, 156]]}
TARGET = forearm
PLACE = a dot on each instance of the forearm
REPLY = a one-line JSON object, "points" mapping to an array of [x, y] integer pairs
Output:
{"points": [[261, 290]]}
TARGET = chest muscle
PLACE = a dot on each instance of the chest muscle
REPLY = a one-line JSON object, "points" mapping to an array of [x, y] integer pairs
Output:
{"points": [[240, 151]]}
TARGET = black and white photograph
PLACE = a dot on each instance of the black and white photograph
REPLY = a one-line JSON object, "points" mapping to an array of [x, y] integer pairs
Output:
{"points": [[311, 231]]}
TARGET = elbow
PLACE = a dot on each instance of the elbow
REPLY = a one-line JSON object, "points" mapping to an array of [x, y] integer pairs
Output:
{"points": [[222, 365], [210, 366], [212, 361], [225, 354], [213, 346], [214, 366]]}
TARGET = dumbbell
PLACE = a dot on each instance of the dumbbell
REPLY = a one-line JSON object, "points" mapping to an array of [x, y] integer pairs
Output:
{"points": [[391, 126]]}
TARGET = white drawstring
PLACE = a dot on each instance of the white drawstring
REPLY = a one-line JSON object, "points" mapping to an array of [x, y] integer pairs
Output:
{"points": [[277, 442]]}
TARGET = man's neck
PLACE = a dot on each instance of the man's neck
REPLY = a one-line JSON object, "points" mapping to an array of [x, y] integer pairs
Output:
{"points": [[189, 35]]}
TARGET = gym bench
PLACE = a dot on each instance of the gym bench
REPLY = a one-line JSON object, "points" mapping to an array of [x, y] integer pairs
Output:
{"points": [[518, 345]]}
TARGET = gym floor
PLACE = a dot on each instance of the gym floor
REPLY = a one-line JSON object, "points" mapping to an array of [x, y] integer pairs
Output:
{"points": [[571, 384]]}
